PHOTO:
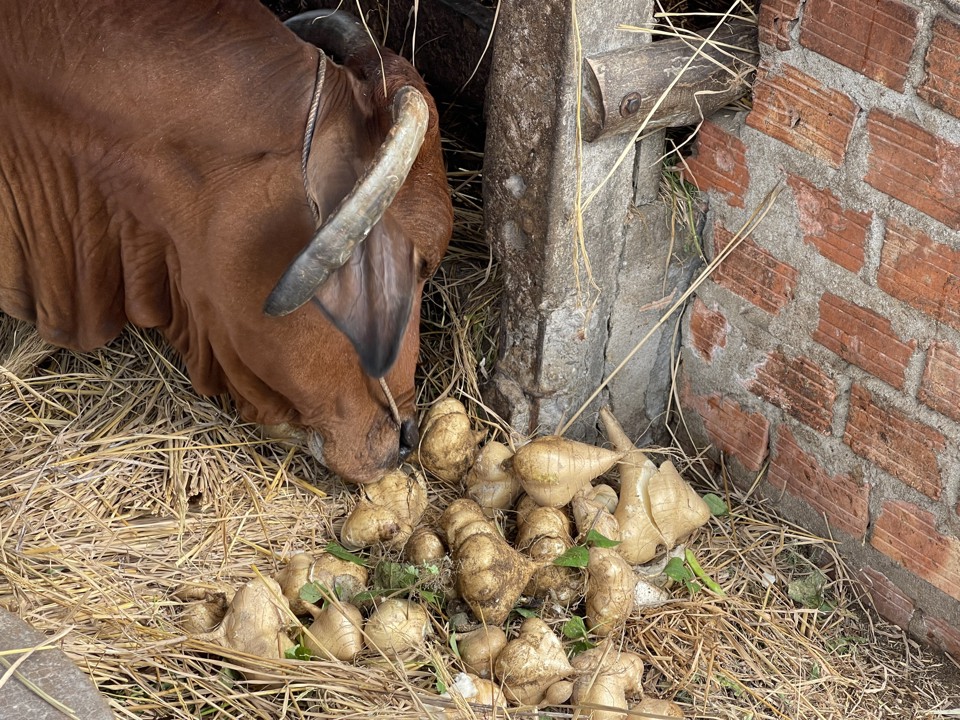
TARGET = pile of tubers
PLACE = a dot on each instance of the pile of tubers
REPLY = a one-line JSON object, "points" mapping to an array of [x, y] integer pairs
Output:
{"points": [[551, 497]]}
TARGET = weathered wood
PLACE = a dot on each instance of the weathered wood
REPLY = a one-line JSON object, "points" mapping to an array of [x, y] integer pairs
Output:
{"points": [[620, 88]]}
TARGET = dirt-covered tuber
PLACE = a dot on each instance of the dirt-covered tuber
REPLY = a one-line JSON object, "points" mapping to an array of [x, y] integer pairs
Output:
{"points": [[479, 648], [489, 483], [448, 442], [336, 632], [605, 678], [255, 624], [490, 574], [531, 663], [610, 590], [397, 627], [388, 511]]}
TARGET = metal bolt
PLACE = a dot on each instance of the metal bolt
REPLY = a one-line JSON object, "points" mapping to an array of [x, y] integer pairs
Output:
{"points": [[630, 104]]}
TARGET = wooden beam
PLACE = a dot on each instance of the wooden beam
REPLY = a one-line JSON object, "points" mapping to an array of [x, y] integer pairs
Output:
{"points": [[621, 88]]}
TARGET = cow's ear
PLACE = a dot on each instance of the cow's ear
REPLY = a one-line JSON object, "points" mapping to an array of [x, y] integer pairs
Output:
{"points": [[369, 299]]}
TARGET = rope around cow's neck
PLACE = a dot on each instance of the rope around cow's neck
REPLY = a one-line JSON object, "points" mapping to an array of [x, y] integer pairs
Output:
{"points": [[311, 126]]}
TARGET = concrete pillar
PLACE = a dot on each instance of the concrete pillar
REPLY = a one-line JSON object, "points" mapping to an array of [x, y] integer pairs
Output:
{"points": [[578, 291]]}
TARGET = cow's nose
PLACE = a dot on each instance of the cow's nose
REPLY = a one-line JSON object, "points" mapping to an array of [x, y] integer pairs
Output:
{"points": [[409, 438]]}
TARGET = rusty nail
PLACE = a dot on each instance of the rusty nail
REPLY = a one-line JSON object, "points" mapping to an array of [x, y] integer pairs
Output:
{"points": [[630, 104]]}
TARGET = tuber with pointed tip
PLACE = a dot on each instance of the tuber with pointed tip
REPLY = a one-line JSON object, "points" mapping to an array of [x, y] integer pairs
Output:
{"points": [[255, 624], [489, 483], [606, 677], [676, 508], [610, 591], [531, 663], [639, 536], [552, 469], [490, 574], [388, 511], [336, 632]]}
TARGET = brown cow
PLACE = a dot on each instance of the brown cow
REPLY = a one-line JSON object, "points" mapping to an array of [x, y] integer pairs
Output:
{"points": [[164, 163]]}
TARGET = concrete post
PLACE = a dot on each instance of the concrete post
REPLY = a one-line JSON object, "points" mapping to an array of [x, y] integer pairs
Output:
{"points": [[573, 301]]}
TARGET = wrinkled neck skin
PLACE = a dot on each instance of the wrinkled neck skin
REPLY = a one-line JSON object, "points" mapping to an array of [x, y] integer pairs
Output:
{"points": [[150, 173]]}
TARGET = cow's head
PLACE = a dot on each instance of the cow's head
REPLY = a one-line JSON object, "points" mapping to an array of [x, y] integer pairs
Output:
{"points": [[376, 177]]}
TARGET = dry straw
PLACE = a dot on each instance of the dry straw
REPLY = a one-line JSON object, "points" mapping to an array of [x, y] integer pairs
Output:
{"points": [[119, 485]]}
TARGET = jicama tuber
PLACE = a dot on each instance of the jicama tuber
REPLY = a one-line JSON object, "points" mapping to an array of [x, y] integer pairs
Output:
{"points": [[479, 648], [424, 547], [490, 575], [610, 587], [543, 533], [676, 508], [204, 608], [448, 444], [396, 627], [655, 708], [531, 663], [255, 624], [336, 632], [388, 511], [552, 469], [488, 483], [606, 677]]}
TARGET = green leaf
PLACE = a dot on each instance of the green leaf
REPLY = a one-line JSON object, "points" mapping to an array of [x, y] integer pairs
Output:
{"points": [[576, 557], [339, 551], [581, 646], [717, 506], [313, 592], [441, 686], [525, 612], [391, 575], [575, 628], [599, 540], [298, 652], [676, 570]]}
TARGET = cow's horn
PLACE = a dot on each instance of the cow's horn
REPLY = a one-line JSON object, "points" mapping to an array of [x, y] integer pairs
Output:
{"points": [[360, 210], [339, 34]]}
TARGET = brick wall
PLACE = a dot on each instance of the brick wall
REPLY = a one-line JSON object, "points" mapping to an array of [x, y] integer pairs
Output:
{"points": [[824, 354]]}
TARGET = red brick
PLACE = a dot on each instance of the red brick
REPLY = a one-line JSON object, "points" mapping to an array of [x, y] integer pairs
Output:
{"points": [[775, 20], [798, 387], [719, 164], [708, 330], [731, 429], [908, 535], [903, 447], [873, 37], [941, 87], [921, 273], [801, 112], [838, 234], [864, 338], [753, 273], [940, 387], [888, 600], [942, 634], [843, 499], [914, 166]]}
